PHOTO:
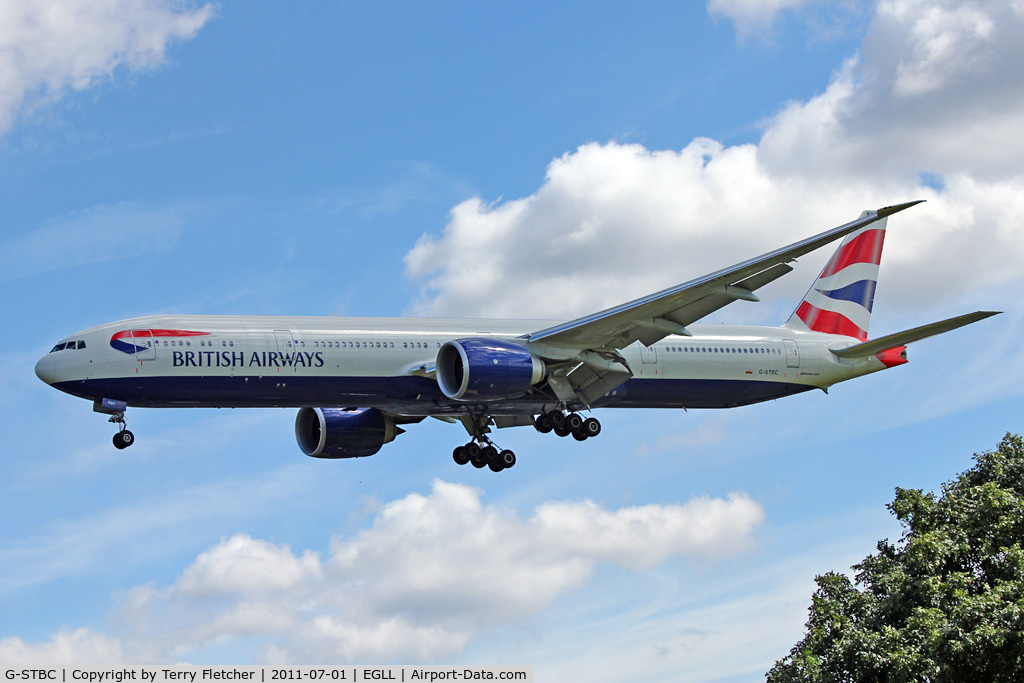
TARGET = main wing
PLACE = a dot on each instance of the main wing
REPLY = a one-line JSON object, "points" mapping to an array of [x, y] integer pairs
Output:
{"points": [[651, 318]]}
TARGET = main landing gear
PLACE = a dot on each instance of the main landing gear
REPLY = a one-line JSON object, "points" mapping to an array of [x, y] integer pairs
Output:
{"points": [[564, 424], [482, 453]]}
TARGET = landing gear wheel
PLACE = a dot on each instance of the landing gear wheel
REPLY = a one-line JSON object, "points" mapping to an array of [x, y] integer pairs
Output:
{"points": [[459, 455], [489, 454], [472, 450], [543, 423], [563, 430], [506, 459], [573, 421], [123, 439], [478, 463], [557, 418], [579, 435], [591, 427], [495, 467]]}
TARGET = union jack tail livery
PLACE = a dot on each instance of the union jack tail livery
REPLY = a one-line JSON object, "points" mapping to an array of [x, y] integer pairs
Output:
{"points": [[840, 300]]}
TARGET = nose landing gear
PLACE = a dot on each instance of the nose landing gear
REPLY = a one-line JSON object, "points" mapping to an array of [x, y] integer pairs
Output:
{"points": [[116, 410], [123, 439]]}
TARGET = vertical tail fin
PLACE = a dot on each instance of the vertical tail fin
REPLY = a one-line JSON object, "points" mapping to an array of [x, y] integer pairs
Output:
{"points": [[840, 300]]}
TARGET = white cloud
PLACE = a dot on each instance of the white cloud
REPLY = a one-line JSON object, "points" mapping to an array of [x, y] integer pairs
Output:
{"points": [[931, 92], [945, 45], [51, 47], [899, 122], [430, 575], [65, 648], [247, 566], [752, 16]]}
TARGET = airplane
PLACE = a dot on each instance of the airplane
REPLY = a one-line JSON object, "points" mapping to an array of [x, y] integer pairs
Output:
{"points": [[358, 381]]}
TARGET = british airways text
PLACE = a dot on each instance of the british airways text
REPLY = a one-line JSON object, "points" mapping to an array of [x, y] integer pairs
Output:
{"points": [[234, 359]]}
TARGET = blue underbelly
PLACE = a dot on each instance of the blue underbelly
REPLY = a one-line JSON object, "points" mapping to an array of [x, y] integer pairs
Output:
{"points": [[407, 395]]}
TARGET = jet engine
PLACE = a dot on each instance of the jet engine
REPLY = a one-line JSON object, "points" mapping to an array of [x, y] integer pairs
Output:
{"points": [[343, 432], [483, 368]]}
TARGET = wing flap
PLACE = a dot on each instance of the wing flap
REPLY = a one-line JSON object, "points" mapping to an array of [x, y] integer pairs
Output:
{"points": [[890, 341], [725, 295]]}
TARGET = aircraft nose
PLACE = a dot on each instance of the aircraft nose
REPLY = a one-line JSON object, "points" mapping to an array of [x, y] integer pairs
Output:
{"points": [[46, 369]]}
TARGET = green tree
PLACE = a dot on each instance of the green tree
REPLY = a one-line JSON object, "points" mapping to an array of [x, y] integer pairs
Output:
{"points": [[947, 605]]}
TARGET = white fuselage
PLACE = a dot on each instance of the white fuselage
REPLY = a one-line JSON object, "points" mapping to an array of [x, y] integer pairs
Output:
{"points": [[387, 363]]}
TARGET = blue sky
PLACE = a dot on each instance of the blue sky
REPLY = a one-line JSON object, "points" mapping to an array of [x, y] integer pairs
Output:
{"points": [[478, 160]]}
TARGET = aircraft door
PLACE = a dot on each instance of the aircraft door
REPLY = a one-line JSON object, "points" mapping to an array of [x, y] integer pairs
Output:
{"points": [[285, 341], [648, 354], [144, 344], [792, 353]]}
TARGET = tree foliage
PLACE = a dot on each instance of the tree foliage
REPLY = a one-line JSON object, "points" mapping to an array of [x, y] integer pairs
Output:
{"points": [[946, 605]]}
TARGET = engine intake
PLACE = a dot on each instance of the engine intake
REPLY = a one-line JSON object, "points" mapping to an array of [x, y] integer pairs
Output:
{"points": [[486, 369], [343, 432]]}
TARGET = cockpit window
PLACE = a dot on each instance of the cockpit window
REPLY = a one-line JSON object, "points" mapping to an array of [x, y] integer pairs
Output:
{"points": [[70, 346]]}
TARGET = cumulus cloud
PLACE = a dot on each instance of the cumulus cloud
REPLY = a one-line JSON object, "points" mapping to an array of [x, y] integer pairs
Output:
{"points": [[927, 110], [429, 575], [51, 47]]}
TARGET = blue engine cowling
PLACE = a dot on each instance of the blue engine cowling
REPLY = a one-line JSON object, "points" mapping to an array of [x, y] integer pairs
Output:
{"points": [[343, 432], [486, 369]]}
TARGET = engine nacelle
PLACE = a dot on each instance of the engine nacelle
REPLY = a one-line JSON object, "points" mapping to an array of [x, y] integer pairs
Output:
{"points": [[343, 432], [486, 369]]}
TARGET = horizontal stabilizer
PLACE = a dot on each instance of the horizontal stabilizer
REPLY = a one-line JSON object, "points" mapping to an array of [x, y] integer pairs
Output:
{"points": [[890, 341]]}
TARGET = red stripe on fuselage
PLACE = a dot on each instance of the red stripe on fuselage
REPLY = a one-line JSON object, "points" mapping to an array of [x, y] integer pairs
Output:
{"points": [[159, 333]]}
